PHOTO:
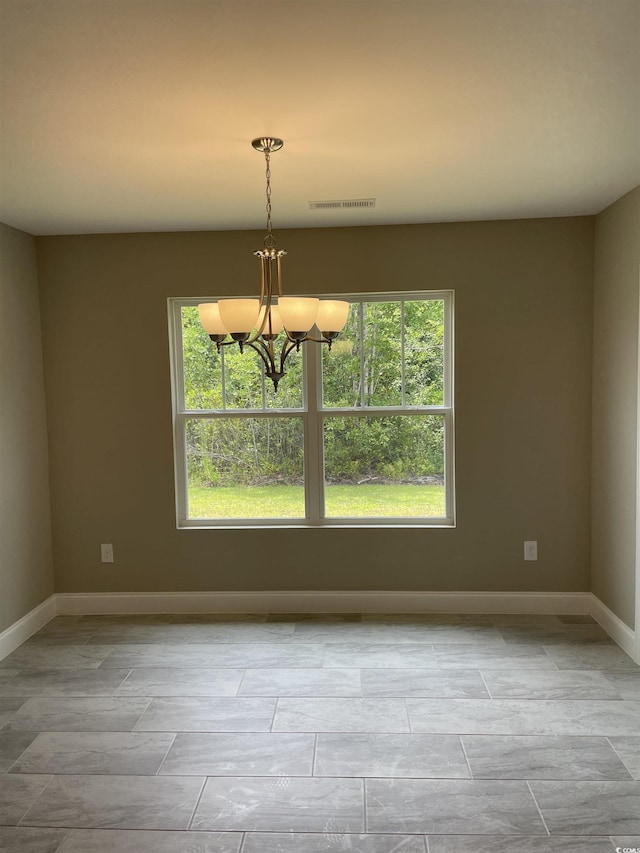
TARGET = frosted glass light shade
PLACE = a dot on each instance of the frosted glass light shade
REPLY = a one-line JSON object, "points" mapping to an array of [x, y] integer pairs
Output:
{"points": [[210, 318], [239, 315], [332, 315], [276, 321], [298, 313]]}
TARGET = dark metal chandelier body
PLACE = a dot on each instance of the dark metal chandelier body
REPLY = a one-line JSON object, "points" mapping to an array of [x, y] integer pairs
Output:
{"points": [[265, 316]]}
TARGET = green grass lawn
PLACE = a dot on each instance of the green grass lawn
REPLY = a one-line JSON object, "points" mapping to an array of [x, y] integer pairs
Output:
{"points": [[341, 501]]}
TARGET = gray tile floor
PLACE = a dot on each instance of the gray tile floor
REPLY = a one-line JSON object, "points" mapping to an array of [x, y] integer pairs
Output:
{"points": [[298, 734]]}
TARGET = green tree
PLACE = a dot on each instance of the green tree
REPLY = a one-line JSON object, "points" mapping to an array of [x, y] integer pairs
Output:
{"points": [[365, 367]]}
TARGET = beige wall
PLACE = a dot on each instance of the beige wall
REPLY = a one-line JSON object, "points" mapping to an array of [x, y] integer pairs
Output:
{"points": [[615, 400], [523, 393], [26, 576]]}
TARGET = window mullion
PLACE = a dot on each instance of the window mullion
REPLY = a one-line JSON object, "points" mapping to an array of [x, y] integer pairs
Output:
{"points": [[448, 351], [181, 474], [402, 347], [178, 375], [361, 332], [313, 479], [223, 380], [449, 466]]}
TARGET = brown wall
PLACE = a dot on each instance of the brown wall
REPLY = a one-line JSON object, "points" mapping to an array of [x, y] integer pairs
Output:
{"points": [[26, 574], [523, 394], [615, 404]]}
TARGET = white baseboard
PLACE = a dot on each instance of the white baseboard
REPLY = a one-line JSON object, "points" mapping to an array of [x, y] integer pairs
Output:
{"points": [[325, 602], [614, 626], [536, 603], [21, 630]]}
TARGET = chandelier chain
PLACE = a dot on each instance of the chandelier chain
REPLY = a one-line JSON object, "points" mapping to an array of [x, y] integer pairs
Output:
{"points": [[269, 240]]}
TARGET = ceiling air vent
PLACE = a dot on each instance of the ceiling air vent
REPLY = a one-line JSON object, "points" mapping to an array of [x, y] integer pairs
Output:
{"points": [[343, 204]]}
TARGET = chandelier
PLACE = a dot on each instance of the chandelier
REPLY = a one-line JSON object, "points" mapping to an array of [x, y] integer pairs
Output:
{"points": [[257, 323]]}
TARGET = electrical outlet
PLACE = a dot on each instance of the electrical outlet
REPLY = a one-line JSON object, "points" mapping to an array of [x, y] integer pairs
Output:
{"points": [[106, 553], [531, 550]]}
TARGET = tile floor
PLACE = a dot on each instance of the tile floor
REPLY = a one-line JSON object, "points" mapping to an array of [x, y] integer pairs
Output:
{"points": [[294, 734]]}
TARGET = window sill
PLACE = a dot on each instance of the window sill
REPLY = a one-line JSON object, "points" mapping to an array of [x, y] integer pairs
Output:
{"points": [[359, 524]]}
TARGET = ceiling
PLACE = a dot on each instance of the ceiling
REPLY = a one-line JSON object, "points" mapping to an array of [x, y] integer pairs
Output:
{"points": [[136, 115]]}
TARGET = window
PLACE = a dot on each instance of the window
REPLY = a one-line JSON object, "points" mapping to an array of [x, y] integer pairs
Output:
{"points": [[359, 434]]}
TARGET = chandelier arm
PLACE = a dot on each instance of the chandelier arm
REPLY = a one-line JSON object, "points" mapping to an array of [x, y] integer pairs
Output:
{"points": [[315, 340], [307, 338], [279, 274], [268, 273], [265, 284], [287, 348], [265, 355], [250, 341], [264, 279]]}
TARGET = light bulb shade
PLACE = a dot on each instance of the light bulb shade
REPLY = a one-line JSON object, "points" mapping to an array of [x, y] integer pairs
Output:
{"points": [[276, 321], [298, 313], [332, 315], [210, 318], [239, 315]]}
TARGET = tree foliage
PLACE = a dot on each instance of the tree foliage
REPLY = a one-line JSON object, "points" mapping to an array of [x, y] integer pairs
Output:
{"points": [[390, 354]]}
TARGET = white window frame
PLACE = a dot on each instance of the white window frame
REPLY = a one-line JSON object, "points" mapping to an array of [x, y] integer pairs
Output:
{"points": [[313, 414]]}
